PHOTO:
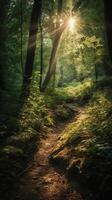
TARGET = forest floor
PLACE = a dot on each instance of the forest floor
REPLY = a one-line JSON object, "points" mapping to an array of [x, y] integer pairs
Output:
{"points": [[42, 181]]}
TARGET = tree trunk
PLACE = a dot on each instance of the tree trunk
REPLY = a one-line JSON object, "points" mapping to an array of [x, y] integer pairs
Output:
{"points": [[21, 23], [52, 67], [35, 17], [3, 14], [41, 56], [108, 20], [56, 41]]}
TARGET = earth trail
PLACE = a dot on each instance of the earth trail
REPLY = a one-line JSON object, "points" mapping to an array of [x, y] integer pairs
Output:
{"points": [[41, 181]]}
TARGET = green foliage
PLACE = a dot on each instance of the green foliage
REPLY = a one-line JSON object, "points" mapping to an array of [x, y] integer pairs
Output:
{"points": [[34, 112], [11, 151], [21, 134], [100, 112], [95, 119], [22, 139], [75, 92]]}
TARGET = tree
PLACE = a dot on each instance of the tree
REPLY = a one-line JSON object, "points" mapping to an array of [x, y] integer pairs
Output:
{"points": [[56, 40], [3, 13], [52, 66], [108, 20], [35, 18], [41, 50]]}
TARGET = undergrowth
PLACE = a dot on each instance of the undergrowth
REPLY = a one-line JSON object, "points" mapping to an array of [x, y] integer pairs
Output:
{"points": [[21, 134], [85, 144], [80, 93]]}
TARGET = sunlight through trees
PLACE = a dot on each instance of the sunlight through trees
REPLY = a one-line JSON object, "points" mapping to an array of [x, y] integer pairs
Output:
{"points": [[55, 99]]}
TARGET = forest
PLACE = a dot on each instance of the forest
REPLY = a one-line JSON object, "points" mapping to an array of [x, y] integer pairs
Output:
{"points": [[55, 100]]}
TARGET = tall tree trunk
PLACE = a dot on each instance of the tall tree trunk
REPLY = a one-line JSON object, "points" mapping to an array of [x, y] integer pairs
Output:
{"points": [[56, 41], [21, 23], [108, 20], [35, 17], [52, 66], [3, 14], [41, 55]]}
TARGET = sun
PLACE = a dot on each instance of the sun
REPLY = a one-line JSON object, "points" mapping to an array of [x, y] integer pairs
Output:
{"points": [[71, 23]]}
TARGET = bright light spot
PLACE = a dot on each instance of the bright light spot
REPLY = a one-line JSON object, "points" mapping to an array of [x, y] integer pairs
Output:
{"points": [[72, 24]]}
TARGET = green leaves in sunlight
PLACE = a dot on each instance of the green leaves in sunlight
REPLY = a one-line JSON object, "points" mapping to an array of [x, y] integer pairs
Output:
{"points": [[93, 42]]}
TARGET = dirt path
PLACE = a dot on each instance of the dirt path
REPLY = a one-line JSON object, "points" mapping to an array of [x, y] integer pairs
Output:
{"points": [[41, 181]]}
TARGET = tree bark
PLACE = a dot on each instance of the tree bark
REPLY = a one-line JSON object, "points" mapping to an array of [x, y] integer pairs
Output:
{"points": [[41, 56], [35, 17], [3, 14], [108, 20]]}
